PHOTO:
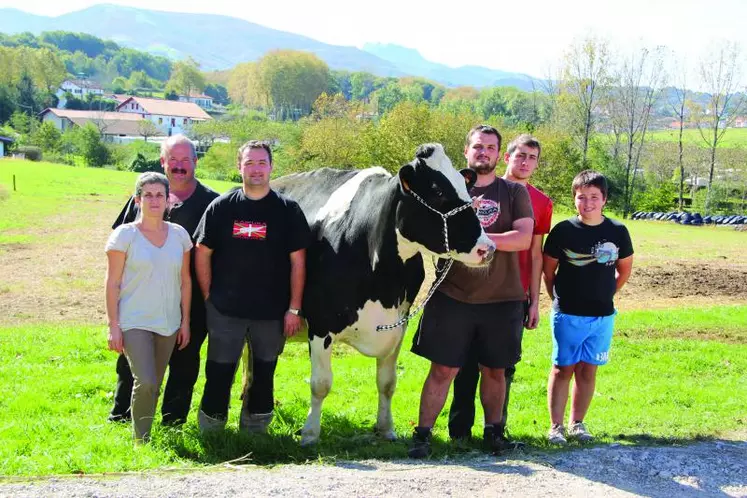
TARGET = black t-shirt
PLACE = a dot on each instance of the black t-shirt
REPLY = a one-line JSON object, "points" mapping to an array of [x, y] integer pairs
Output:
{"points": [[587, 255], [188, 215], [251, 242]]}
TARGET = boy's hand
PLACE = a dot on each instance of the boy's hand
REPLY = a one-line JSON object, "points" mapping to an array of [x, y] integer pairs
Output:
{"points": [[532, 318]]}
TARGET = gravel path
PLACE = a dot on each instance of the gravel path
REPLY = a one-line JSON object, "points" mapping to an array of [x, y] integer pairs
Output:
{"points": [[704, 469]]}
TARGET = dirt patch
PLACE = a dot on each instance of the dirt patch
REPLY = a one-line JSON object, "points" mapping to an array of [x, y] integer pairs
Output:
{"points": [[681, 279], [683, 283]]}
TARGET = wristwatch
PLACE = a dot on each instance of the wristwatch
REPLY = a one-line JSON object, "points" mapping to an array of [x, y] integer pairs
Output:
{"points": [[294, 311]]}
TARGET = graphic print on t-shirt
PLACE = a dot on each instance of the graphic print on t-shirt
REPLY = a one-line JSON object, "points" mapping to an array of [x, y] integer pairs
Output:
{"points": [[249, 230], [488, 212], [604, 253]]}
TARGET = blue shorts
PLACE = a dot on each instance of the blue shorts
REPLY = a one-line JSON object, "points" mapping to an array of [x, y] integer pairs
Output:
{"points": [[580, 338]]}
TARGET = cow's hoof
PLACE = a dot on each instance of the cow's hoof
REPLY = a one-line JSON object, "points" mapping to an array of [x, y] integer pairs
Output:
{"points": [[387, 435], [308, 441]]}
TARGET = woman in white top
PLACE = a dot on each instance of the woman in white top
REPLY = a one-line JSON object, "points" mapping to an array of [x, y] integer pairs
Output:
{"points": [[148, 294]]}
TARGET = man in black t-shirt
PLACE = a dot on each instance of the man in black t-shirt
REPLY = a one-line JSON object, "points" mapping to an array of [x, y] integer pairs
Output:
{"points": [[251, 254], [593, 257], [188, 199]]}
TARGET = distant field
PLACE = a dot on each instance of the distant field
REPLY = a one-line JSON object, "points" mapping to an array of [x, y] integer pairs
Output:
{"points": [[733, 138]]}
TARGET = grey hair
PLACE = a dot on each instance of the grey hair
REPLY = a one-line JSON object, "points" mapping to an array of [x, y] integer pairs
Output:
{"points": [[173, 140], [150, 178]]}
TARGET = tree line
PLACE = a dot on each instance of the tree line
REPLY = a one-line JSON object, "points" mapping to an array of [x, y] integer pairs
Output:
{"points": [[599, 108]]}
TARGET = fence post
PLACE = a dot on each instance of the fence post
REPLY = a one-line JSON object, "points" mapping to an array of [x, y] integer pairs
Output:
{"points": [[14, 183]]}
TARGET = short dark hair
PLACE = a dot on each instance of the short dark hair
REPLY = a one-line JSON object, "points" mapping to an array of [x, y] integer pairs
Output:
{"points": [[150, 178], [590, 178], [483, 128], [525, 139], [255, 144]]}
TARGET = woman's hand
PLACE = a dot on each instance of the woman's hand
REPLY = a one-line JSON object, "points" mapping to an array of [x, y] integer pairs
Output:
{"points": [[182, 336], [116, 340]]}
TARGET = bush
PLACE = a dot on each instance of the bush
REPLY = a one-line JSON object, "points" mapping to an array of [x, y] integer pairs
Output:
{"points": [[141, 164], [219, 163], [59, 158], [125, 155], [94, 150], [31, 152]]}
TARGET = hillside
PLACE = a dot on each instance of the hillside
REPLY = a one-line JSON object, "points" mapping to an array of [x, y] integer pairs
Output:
{"points": [[220, 42]]}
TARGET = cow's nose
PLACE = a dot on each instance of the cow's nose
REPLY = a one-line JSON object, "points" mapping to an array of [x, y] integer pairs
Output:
{"points": [[486, 250]]}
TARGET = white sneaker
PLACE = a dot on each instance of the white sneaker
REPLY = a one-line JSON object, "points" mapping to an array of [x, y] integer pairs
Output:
{"points": [[557, 434], [578, 431]]}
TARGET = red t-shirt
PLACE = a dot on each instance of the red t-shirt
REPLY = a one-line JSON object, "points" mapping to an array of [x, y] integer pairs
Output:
{"points": [[542, 207]]}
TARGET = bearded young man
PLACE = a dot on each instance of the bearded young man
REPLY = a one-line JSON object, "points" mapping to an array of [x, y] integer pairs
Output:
{"points": [[478, 310], [521, 158]]}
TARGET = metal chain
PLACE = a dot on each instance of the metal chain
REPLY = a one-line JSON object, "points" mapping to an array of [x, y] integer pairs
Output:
{"points": [[447, 267]]}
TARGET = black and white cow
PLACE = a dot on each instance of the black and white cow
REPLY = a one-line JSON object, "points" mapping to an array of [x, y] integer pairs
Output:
{"points": [[365, 265]]}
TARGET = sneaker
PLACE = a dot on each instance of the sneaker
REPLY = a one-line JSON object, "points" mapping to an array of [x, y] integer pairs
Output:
{"points": [[557, 434], [421, 443], [495, 441], [578, 431]]}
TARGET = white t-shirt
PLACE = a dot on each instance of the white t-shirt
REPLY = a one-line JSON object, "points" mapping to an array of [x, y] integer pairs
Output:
{"points": [[150, 293]]}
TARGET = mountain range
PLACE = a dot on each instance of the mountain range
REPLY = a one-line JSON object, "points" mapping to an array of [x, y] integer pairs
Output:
{"points": [[220, 42]]}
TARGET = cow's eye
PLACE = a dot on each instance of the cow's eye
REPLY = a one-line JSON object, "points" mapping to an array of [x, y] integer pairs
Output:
{"points": [[437, 190]]}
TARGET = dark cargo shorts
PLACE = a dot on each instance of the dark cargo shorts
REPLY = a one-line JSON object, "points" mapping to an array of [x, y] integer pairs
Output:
{"points": [[448, 328]]}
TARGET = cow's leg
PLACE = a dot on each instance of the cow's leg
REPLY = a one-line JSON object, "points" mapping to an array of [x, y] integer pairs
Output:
{"points": [[386, 381], [320, 349]]}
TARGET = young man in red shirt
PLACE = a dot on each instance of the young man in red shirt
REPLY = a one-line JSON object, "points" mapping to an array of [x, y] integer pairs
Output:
{"points": [[521, 157]]}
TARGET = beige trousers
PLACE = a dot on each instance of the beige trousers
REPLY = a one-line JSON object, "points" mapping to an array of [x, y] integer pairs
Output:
{"points": [[148, 354]]}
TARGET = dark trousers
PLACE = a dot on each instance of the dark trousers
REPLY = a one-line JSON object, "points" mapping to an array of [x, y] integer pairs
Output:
{"points": [[216, 396], [184, 368], [462, 411]]}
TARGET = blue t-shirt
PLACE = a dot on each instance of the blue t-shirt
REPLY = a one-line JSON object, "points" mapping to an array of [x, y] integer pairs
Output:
{"points": [[587, 256]]}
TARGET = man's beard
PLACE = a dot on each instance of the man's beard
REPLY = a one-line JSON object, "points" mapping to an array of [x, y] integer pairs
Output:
{"points": [[482, 169]]}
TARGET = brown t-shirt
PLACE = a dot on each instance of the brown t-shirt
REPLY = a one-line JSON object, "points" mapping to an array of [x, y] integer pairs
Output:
{"points": [[503, 203]]}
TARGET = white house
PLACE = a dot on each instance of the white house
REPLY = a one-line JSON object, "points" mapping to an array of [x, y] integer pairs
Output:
{"points": [[202, 100], [170, 116], [79, 89], [114, 126]]}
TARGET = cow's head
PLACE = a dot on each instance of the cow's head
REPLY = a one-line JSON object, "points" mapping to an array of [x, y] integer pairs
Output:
{"points": [[432, 189]]}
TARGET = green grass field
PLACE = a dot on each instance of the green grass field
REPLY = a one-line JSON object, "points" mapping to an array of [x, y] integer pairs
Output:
{"points": [[676, 374], [733, 138]]}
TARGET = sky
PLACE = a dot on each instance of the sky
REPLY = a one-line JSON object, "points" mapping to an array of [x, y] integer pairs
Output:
{"points": [[529, 39]]}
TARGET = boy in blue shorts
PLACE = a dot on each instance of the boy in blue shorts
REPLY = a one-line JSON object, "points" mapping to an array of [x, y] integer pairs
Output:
{"points": [[587, 259]]}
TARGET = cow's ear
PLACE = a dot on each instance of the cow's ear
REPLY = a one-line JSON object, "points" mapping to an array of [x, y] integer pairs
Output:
{"points": [[470, 177], [406, 176]]}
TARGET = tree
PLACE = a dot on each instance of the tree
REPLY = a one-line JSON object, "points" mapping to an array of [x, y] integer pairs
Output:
{"points": [[119, 85], [291, 81], [245, 86], [362, 85], [47, 136], [719, 73], [48, 70], [146, 128], [584, 78], [218, 92], [92, 148], [637, 83], [678, 101], [186, 78], [139, 80]]}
